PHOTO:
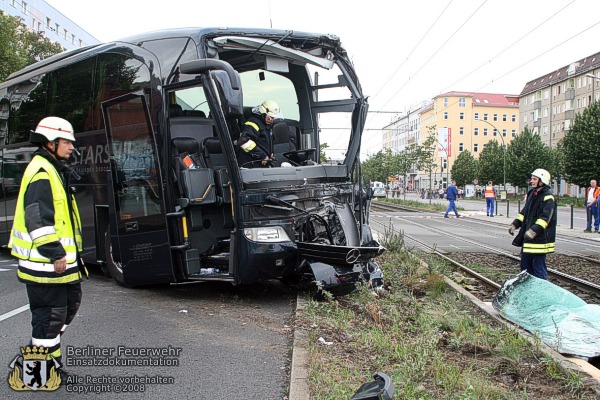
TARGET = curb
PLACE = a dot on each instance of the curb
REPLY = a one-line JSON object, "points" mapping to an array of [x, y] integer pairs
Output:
{"points": [[299, 389]]}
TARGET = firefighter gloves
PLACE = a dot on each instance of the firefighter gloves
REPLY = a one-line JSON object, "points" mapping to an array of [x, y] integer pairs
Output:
{"points": [[511, 229], [530, 234]]}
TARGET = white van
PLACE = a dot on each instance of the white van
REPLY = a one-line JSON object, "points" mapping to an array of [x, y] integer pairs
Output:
{"points": [[378, 189]]}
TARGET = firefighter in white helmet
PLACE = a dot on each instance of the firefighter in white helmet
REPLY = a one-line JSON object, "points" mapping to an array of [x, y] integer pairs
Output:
{"points": [[46, 238], [256, 139], [537, 223]]}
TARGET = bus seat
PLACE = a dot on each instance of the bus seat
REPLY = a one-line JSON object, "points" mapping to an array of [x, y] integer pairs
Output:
{"points": [[175, 110], [215, 159], [190, 146], [194, 127], [194, 113], [247, 113], [283, 141]]}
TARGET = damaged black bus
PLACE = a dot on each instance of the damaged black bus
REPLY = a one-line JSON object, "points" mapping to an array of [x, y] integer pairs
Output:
{"points": [[162, 197]]}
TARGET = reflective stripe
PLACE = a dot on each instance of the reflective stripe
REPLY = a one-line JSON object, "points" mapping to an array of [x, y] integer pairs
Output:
{"points": [[521, 217], [65, 326], [42, 267], [46, 230], [73, 277], [539, 248], [548, 197], [541, 223], [248, 146], [489, 192], [252, 124], [47, 343], [55, 354]]}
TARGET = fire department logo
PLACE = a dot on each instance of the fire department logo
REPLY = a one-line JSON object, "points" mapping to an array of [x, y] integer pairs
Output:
{"points": [[30, 371]]}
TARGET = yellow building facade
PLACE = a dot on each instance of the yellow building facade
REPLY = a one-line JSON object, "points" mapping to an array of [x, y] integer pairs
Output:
{"points": [[472, 121]]}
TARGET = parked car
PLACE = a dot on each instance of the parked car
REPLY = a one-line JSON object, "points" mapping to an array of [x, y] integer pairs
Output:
{"points": [[378, 189]]}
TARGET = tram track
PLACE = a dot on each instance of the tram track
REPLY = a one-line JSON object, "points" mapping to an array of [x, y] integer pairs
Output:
{"points": [[590, 290]]}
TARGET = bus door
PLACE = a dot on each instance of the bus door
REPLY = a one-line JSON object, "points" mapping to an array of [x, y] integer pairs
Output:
{"points": [[136, 241]]}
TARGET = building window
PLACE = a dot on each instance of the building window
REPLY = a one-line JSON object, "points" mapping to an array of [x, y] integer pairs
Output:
{"points": [[445, 102], [476, 147], [57, 28], [485, 131], [546, 94], [495, 117], [461, 130], [462, 102], [495, 132], [504, 117], [546, 112], [65, 34], [476, 131], [476, 116], [485, 117], [461, 115], [514, 118], [461, 146], [24, 8], [445, 114], [525, 118], [513, 133], [48, 22], [504, 132]]}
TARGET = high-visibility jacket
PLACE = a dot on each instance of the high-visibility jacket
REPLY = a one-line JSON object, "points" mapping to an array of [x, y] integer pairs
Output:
{"points": [[33, 266], [256, 140], [539, 214], [489, 192]]}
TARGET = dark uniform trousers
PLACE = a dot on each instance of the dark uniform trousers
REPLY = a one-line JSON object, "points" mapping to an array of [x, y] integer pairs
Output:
{"points": [[53, 307]]}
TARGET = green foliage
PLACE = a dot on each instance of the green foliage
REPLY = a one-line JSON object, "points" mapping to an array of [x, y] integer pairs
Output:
{"points": [[20, 47], [580, 161], [465, 168], [524, 154], [491, 163], [322, 156]]}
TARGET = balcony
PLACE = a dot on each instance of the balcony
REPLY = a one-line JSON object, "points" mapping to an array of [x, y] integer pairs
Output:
{"points": [[537, 104], [570, 94], [570, 114], [537, 122]]}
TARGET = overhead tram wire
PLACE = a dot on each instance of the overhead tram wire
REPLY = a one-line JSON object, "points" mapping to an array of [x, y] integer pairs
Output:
{"points": [[435, 53], [414, 48], [508, 47], [520, 66]]}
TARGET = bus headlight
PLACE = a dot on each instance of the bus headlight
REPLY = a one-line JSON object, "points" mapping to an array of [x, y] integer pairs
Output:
{"points": [[267, 234]]}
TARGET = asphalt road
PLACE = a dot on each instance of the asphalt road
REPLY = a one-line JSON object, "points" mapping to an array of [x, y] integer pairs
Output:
{"points": [[218, 341]]}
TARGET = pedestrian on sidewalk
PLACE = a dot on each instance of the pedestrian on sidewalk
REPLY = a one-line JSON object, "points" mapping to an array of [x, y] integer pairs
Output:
{"points": [[537, 224], [451, 195], [490, 199], [591, 206]]}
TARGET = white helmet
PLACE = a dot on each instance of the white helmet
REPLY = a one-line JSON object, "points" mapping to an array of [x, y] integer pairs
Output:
{"points": [[53, 128], [543, 175], [270, 108]]}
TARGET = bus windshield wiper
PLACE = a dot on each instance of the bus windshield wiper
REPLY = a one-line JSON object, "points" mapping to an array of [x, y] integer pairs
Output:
{"points": [[280, 202]]}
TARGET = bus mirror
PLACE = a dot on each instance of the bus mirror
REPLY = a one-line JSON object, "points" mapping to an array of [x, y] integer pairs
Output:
{"points": [[231, 98], [197, 67]]}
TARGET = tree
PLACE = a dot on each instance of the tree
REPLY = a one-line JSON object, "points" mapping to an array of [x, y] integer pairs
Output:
{"points": [[491, 163], [374, 167], [20, 47], [580, 161], [425, 153], [465, 167], [322, 156], [524, 154]]}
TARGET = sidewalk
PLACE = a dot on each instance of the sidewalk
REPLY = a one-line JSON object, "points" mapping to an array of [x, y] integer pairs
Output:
{"points": [[475, 208]]}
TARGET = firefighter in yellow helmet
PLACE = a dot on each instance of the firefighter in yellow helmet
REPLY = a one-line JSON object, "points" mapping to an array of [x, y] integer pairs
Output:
{"points": [[46, 237], [256, 139], [537, 223]]}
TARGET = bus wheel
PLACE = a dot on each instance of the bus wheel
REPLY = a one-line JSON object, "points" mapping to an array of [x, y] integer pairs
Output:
{"points": [[113, 267]]}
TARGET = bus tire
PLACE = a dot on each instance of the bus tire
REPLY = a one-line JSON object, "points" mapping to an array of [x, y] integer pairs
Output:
{"points": [[113, 267]]}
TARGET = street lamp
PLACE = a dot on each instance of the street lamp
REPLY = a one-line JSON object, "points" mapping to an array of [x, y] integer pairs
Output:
{"points": [[503, 147]]}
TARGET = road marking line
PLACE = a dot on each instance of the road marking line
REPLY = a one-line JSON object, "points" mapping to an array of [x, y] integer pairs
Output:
{"points": [[4, 269], [14, 312]]}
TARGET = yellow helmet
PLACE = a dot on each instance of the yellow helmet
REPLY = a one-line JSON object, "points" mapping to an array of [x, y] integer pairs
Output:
{"points": [[270, 108]]}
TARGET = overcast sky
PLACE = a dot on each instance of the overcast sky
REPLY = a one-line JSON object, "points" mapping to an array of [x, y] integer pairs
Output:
{"points": [[404, 51]]}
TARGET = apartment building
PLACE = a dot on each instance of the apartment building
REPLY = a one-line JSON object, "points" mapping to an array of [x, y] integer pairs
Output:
{"points": [[468, 121], [40, 16], [548, 104]]}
